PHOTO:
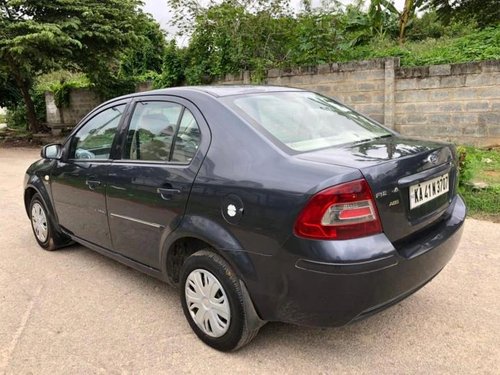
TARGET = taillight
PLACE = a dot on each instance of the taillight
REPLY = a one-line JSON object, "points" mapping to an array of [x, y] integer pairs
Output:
{"points": [[341, 212]]}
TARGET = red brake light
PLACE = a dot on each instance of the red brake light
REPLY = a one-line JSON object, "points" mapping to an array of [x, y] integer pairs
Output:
{"points": [[341, 212]]}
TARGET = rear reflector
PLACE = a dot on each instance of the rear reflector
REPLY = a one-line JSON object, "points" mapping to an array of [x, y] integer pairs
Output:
{"points": [[341, 212]]}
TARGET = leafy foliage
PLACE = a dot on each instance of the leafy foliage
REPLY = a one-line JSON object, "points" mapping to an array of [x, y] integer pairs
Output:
{"points": [[9, 93], [233, 35], [172, 73], [480, 165], [42, 36], [17, 116], [146, 54], [62, 90], [476, 46], [484, 12], [114, 45]]}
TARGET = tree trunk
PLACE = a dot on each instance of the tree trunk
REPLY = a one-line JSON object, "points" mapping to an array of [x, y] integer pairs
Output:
{"points": [[403, 20], [24, 87], [33, 124]]}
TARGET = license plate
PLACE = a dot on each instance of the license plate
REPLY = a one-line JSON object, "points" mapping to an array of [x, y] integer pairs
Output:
{"points": [[428, 190]]}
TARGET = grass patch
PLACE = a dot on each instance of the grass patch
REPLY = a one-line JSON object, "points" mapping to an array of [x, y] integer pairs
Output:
{"points": [[480, 181], [475, 46]]}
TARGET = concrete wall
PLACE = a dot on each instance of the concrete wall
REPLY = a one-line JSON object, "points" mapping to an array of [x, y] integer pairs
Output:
{"points": [[455, 102], [452, 102], [82, 101]]}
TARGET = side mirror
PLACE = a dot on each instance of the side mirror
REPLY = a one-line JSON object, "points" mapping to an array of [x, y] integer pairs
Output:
{"points": [[52, 151]]}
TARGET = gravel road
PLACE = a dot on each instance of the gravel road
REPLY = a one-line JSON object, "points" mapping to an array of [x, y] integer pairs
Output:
{"points": [[75, 311]]}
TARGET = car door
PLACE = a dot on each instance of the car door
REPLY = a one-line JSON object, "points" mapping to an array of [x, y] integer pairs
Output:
{"points": [[78, 180], [162, 151]]}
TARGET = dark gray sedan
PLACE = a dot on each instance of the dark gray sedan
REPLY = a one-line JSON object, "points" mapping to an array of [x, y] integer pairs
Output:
{"points": [[259, 203]]}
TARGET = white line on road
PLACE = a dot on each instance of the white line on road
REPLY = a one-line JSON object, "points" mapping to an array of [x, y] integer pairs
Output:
{"points": [[7, 353]]}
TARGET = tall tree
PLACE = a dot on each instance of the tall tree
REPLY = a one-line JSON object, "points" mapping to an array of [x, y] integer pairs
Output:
{"points": [[409, 11], [484, 12], [377, 13], [146, 55], [37, 36], [232, 35]]}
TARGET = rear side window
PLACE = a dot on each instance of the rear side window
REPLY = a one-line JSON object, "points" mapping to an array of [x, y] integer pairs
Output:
{"points": [[152, 130], [187, 140], [305, 121], [162, 131], [95, 138]]}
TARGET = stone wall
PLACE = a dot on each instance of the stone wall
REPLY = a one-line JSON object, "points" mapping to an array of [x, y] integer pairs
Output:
{"points": [[452, 102], [81, 102]]}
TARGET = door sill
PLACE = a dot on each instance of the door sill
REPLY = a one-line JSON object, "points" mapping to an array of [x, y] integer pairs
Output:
{"points": [[151, 271]]}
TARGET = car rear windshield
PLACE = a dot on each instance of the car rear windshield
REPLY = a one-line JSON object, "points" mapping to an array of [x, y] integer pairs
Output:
{"points": [[305, 121]]}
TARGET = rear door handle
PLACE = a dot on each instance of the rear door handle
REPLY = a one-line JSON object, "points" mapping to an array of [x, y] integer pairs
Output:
{"points": [[92, 184], [167, 194]]}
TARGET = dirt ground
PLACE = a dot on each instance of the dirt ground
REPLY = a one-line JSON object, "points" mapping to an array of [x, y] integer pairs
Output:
{"points": [[75, 311]]}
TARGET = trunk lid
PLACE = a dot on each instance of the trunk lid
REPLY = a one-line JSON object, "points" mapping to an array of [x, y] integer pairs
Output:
{"points": [[392, 166]]}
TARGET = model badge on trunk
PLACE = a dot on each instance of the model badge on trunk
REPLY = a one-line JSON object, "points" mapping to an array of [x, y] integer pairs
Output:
{"points": [[394, 203]]}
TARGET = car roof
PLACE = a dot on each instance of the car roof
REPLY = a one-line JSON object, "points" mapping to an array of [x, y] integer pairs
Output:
{"points": [[220, 90], [216, 91], [227, 90]]}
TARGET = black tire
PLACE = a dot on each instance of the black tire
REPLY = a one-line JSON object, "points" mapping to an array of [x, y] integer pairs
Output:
{"points": [[244, 322], [54, 239]]}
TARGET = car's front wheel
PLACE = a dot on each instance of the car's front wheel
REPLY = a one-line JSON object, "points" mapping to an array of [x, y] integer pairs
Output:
{"points": [[43, 228], [217, 308]]}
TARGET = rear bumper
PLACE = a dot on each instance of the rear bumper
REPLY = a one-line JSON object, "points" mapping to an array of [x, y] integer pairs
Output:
{"points": [[330, 283]]}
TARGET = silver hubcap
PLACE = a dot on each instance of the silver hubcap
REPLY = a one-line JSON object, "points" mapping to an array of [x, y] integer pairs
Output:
{"points": [[207, 303], [39, 220]]}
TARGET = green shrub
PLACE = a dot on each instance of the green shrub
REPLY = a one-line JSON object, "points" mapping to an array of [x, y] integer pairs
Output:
{"points": [[475, 46], [17, 115], [465, 171], [484, 201], [60, 84], [480, 165]]}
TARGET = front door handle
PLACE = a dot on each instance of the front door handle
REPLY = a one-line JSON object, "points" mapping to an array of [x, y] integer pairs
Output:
{"points": [[167, 194], [92, 184]]}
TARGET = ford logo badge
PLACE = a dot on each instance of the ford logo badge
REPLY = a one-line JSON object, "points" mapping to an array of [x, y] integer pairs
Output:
{"points": [[433, 158]]}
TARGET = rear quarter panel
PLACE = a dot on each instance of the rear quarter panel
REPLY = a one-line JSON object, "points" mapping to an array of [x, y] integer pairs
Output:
{"points": [[273, 186]]}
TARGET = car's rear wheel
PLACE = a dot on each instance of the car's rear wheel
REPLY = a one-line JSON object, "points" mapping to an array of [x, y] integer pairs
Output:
{"points": [[43, 228], [217, 308]]}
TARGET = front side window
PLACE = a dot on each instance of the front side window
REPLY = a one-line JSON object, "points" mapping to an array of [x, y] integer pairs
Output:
{"points": [[95, 139], [305, 121]]}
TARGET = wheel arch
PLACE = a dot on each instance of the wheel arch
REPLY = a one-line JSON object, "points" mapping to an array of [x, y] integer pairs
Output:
{"points": [[36, 186], [196, 233], [33, 187], [29, 193]]}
